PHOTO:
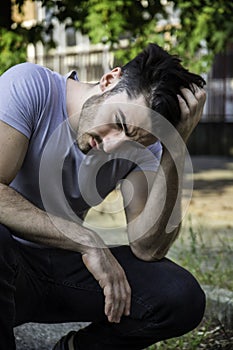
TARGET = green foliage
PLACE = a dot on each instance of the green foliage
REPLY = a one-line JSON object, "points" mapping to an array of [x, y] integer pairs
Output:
{"points": [[12, 48], [204, 29], [113, 22]]}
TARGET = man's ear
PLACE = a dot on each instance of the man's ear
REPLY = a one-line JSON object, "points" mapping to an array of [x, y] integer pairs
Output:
{"points": [[110, 79]]}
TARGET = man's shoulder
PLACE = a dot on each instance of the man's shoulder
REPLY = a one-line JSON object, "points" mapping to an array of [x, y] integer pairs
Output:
{"points": [[23, 69], [27, 71]]}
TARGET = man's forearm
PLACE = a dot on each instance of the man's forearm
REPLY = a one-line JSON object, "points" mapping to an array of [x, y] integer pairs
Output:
{"points": [[153, 231], [33, 224]]}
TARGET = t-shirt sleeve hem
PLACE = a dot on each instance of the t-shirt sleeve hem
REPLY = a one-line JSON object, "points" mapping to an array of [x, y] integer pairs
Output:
{"points": [[11, 122]]}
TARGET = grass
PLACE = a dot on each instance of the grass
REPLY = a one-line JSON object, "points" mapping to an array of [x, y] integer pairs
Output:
{"points": [[210, 335], [211, 267]]}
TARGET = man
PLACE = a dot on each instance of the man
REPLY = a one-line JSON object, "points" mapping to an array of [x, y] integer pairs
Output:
{"points": [[63, 147]]}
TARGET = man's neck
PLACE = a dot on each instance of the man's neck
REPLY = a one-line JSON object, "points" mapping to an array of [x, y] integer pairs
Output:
{"points": [[76, 95]]}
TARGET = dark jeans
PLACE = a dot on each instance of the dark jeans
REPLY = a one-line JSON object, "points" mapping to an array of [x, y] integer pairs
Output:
{"points": [[53, 285]]}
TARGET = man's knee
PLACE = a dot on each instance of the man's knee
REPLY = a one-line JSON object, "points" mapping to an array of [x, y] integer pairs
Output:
{"points": [[189, 305], [183, 305]]}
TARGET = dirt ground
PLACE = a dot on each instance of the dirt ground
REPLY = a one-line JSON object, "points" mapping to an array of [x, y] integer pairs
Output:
{"points": [[210, 210], [211, 206]]}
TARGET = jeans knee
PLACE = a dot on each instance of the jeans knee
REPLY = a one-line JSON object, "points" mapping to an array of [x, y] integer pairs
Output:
{"points": [[179, 308], [185, 305], [195, 307]]}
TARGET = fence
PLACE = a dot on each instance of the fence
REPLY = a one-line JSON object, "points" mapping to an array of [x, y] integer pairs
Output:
{"points": [[90, 64]]}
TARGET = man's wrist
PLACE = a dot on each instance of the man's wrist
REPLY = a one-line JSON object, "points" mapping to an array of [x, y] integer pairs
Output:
{"points": [[174, 156]]}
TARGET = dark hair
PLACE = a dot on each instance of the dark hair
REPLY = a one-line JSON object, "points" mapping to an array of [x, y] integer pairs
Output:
{"points": [[159, 76]]}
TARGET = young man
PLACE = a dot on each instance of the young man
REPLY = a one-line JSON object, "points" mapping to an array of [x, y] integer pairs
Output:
{"points": [[64, 145]]}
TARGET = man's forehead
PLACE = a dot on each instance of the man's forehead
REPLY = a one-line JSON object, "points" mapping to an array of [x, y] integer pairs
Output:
{"points": [[122, 103], [122, 97]]}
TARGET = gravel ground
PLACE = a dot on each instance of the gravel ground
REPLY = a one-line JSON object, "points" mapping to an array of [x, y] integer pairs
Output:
{"points": [[43, 337], [34, 336]]}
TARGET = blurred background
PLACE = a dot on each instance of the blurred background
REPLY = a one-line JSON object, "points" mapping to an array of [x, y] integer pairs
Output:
{"points": [[92, 36]]}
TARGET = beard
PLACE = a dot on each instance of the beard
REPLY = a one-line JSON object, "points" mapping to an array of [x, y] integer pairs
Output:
{"points": [[83, 143], [86, 122]]}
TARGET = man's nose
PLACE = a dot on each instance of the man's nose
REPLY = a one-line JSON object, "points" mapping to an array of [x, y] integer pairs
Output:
{"points": [[113, 141]]}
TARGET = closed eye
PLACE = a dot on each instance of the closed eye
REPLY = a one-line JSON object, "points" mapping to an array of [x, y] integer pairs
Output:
{"points": [[134, 129], [119, 123]]}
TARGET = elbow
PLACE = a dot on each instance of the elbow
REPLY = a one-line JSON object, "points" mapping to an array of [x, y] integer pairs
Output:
{"points": [[154, 247], [146, 254]]}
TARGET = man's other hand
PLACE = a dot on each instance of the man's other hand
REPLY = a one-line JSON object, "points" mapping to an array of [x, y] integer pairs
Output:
{"points": [[112, 279], [191, 106]]}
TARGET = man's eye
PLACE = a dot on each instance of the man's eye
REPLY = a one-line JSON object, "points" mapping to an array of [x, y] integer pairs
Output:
{"points": [[119, 123]]}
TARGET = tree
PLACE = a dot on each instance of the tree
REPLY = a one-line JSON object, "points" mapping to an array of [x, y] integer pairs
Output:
{"points": [[10, 42], [13, 49], [204, 27]]}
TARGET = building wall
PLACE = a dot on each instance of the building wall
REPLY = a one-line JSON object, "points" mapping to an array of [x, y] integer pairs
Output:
{"points": [[28, 15]]}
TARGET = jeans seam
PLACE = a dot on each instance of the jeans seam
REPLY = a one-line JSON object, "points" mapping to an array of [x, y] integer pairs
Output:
{"points": [[148, 325], [70, 284], [140, 301], [79, 286], [64, 283]]}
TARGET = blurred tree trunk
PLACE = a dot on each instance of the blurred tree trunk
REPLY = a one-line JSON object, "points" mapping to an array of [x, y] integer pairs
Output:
{"points": [[5, 15]]}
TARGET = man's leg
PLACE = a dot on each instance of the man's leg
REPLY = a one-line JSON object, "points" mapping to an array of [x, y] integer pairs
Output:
{"points": [[24, 282], [52, 285], [8, 271], [33, 286], [167, 302]]}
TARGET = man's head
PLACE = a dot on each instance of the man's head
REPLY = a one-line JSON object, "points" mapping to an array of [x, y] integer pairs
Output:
{"points": [[152, 79], [158, 76]]}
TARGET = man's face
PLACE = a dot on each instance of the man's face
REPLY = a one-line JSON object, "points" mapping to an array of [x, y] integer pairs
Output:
{"points": [[111, 121]]}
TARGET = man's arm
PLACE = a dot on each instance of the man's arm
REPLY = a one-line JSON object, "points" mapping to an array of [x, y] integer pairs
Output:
{"points": [[33, 224], [151, 202], [20, 215]]}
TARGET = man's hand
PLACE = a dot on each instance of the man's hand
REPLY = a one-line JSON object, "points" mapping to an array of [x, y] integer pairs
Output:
{"points": [[112, 279], [191, 107]]}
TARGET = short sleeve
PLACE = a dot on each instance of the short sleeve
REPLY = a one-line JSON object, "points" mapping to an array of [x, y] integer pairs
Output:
{"points": [[22, 96], [149, 158]]}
